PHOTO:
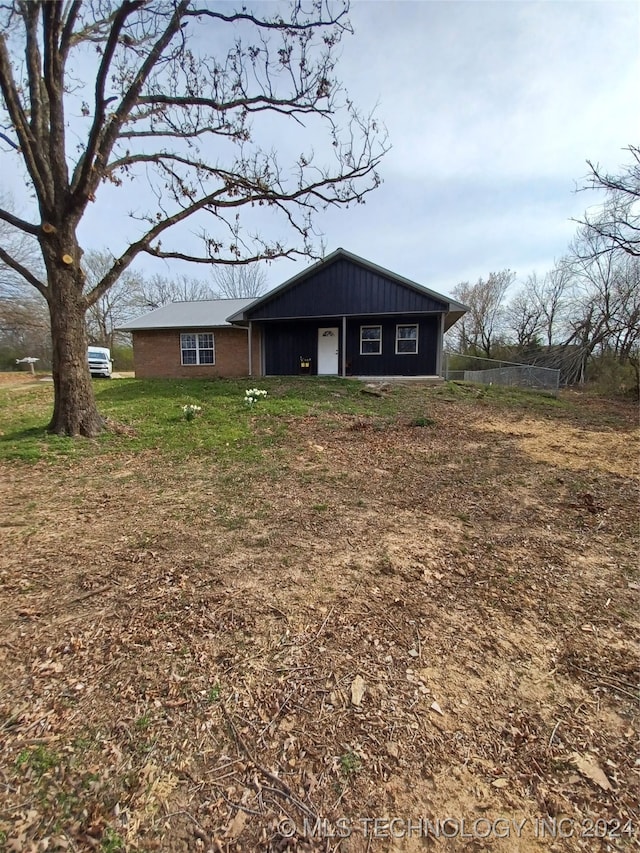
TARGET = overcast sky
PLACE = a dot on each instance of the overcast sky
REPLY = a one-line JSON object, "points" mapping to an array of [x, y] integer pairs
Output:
{"points": [[492, 110]]}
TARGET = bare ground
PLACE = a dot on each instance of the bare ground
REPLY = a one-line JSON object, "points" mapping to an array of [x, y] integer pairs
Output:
{"points": [[380, 621]]}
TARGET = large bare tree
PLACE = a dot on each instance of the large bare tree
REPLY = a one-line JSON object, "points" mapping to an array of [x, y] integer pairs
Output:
{"points": [[188, 120], [235, 282], [617, 219], [536, 309], [481, 327], [603, 314]]}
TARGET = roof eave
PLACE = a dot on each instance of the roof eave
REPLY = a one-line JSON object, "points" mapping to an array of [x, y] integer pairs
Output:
{"points": [[173, 328], [452, 317]]}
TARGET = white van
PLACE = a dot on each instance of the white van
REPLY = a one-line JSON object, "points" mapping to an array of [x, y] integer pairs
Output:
{"points": [[100, 361]]}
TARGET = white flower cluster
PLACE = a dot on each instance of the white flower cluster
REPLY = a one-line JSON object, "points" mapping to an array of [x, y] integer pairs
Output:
{"points": [[252, 395], [191, 410]]}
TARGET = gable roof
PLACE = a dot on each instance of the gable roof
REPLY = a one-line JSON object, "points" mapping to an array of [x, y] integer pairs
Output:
{"points": [[218, 313], [203, 313], [454, 310]]}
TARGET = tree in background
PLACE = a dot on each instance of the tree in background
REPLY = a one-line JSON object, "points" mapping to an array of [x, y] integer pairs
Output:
{"points": [[603, 311], [195, 126], [617, 220], [151, 293], [480, 329], [524, 315], [116, 306], [612, 231], [24, 327], [246, 282], [24, 320], [535, 312], [582, 317]]}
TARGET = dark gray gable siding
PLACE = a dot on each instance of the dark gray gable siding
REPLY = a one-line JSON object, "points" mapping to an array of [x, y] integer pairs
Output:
{"points": [[345, 288]]}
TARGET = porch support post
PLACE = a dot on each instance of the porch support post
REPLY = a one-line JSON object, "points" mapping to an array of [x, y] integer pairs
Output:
{"points": [[440, 342], [344, 347], [250, 343]]}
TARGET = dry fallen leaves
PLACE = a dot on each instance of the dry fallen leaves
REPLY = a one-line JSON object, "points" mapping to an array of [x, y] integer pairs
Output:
{"points": [[358, 688], [210, 587], [588, 767]]}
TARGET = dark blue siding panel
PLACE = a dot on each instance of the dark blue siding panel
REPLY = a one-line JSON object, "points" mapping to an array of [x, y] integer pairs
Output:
{"points": [[345, 288], [286, 342], [388, 363]]}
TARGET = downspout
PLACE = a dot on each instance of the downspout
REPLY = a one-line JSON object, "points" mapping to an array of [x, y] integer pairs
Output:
{"points": [[344, 347], [250, 342]]}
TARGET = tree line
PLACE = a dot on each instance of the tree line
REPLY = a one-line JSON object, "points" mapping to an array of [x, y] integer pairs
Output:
{"points": [[582, 317], [24, 319]]}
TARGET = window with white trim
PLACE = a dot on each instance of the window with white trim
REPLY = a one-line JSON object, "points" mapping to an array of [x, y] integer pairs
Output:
{"points": [[370, 340], [407, 340], [197, 348]]}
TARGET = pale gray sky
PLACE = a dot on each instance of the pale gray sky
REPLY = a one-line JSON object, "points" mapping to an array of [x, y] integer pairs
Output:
{"points": [[492, 109]]}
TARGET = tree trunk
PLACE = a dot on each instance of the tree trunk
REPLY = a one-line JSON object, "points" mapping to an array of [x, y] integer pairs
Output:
{"points": [[75, 411]]}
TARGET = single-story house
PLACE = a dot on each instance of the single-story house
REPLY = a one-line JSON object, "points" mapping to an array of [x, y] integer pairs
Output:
{"points": [[342, 316]]}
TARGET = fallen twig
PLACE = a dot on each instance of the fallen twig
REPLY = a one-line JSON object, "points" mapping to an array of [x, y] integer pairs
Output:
{"points": [[609, 682], [97, 591], [283, 790], [198, 832], [553, 733], [14, 717]]}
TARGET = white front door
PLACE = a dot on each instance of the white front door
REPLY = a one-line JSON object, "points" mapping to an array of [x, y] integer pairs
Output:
{"points": [[328, 340]]}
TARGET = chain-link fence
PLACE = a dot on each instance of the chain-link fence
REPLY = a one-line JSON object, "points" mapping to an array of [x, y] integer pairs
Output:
{"points": [[489, 371]]}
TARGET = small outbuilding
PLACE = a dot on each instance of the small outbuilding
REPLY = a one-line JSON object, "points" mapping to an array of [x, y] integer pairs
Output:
{"points": [[342, 316]]}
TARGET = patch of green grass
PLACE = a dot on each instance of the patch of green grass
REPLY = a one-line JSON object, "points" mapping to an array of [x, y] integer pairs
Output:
{"points": [[226, 430], [422, 421], [151, 413], [111, 841], [350, 763], [39, 759], [502, 395], [143, 722], [214, 693]]}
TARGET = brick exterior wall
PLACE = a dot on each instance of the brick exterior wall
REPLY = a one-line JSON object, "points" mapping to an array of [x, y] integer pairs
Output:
{"points": [[156, 354]]}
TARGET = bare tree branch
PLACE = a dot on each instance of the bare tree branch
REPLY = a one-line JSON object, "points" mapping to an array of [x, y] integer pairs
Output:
{"points": [[17, 222], [276, 24], [28, 144], [617, 220], [15, 265]]}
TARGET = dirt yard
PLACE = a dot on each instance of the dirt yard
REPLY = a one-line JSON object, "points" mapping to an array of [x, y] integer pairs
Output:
{"points": [[386, 636]]}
